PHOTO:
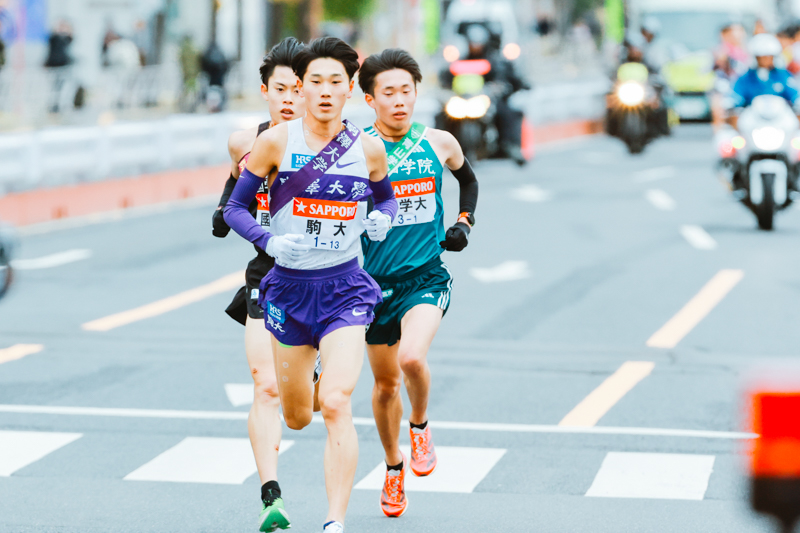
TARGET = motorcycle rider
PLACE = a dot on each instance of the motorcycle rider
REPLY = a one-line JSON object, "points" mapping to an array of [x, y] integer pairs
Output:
{"points": [[764, 78], [504, 80], [654, 56]]}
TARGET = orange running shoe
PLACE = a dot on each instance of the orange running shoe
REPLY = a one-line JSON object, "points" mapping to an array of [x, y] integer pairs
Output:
{"points": [[423, 453], [393, 495]]}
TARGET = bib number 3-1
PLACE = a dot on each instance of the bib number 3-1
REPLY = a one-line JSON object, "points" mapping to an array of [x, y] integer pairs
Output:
{"points": [[326, 224], [416, 201]]}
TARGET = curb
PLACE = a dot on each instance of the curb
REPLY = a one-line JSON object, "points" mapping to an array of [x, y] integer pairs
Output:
{"points": [[44, 205]]}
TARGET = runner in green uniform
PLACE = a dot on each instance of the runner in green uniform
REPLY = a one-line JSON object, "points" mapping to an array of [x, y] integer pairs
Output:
{"points": [[416, 284]]}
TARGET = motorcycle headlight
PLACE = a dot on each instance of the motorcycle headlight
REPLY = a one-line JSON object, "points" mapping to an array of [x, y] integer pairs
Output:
{"points": [[631, 93], [478, 106], [768, 138], [456, 107]]}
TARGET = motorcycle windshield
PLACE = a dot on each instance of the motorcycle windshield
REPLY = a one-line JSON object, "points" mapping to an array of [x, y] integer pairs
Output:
{"points": [[467, 84], [632, 72]]}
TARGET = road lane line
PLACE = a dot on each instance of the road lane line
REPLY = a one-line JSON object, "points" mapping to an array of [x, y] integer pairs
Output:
{"points": [[698, 237], [52, 261], [231, 281], [19, 449], [531, 193], [654, 174], [116, 412], [18, 351], [665, 476], [660, 199], [696, 310], [612, 390], [507, 271], [240, 393]]}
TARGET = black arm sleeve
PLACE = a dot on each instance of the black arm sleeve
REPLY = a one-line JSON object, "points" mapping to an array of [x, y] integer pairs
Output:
{"points": [[468, 186], [226, 192]]}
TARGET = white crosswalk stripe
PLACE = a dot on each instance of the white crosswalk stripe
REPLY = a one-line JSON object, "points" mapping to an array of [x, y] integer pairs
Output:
{"points": [[670, 476], [458, 470], [19, 449], [240, 393], [203, 460]]}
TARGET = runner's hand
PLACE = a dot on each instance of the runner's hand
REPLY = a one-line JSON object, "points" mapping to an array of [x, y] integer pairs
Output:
{"points": [[456, 238], [219, 228], [286, 248], [377, 225]]}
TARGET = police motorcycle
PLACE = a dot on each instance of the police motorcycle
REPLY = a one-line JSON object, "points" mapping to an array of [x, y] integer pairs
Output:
{"points": [[7, 243], [633, 108], [759, 162]]}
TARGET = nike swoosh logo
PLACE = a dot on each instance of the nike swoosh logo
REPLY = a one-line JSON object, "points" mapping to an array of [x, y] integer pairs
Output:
{"points": [[339, 165], [356, 313]]}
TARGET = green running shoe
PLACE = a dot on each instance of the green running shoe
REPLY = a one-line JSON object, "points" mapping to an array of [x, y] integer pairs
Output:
{"points": [[273, 517]]}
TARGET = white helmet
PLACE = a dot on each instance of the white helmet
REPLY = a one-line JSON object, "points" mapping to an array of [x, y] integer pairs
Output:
{"points": [[651, 25], [765, 44]]}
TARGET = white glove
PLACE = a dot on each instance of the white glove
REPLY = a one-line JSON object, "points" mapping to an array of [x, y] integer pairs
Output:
{"points": [[287, 248], [377, 225]]}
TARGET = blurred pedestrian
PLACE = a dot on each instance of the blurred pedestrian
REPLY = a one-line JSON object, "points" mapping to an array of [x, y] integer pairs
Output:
{"points": [[786, 37], [189, 58], [143, 40], [58, 59], [215, 66]]}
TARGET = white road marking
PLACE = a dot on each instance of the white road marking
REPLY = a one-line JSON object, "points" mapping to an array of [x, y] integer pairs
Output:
{"points": [[52, 261], [231, 281], [203, 460], [240, 393], [654, 174], [660, 199], [18, 449], [698, 237], [531, 193], [508, 271], [696, 309], [612, 390], [361, 421], [18, 351], [458, 470], [669, 476]]}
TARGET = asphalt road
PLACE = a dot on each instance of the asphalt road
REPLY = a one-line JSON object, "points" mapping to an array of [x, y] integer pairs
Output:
{"points": [[575, 263]]}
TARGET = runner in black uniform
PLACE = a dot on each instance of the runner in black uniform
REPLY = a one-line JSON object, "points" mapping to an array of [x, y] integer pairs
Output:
{"points": [[280, 90]]}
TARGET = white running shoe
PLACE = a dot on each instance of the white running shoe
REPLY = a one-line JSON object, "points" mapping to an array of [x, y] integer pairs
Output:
{"points": [[317, 369], [334, 527]]}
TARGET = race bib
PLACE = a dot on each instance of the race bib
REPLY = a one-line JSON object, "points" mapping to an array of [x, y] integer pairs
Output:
{"points": [[327, 224], [416, 201]]}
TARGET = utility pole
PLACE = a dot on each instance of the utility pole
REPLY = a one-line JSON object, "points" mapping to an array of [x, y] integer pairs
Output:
{"points": [[239, 22], [214, 9]]}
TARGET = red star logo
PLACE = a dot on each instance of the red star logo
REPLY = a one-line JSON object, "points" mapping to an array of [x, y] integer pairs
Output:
{"points": [[262, 201], [301, 206]]}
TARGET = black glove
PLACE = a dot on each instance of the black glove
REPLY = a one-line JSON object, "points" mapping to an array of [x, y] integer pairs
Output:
{"points": [[220, 228], [456, 238]]}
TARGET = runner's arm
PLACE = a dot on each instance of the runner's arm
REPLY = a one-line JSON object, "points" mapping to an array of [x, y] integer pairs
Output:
{"points": [[239, 144], [381, 185], [457, 236], [259, 167]]}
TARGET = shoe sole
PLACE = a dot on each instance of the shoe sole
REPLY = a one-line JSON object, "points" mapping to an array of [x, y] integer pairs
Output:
{"points": [[282, 523], [424, 474], [396, 515]]}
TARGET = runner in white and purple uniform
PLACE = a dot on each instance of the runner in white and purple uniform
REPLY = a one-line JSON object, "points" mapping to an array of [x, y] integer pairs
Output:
{"points": [[320, 171]]}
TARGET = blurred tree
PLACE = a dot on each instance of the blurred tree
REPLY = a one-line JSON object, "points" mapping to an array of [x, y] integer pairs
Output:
{"points": [[354, 10], [580, 8]]}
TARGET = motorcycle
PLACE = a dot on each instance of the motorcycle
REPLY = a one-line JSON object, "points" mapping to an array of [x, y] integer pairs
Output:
{"points": [[759, 162], [633, 108], [468, 110], [7, 240]]}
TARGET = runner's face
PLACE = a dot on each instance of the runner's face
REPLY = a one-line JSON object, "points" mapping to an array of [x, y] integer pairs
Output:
{"points": [[326, 88], [394, 99], [283, 96]]}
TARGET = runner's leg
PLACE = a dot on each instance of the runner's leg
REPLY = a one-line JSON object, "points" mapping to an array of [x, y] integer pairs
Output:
{"points": [[342, 353], [418, 327], [294, 368], [264, 422], [387, 404]]}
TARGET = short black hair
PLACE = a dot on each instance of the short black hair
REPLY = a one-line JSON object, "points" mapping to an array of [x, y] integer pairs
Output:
{"points": [[326, 47], [389, 59], [281, 55]]}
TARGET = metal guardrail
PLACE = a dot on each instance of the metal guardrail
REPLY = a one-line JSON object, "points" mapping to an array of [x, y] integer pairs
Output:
{"points": [[69, 155]]}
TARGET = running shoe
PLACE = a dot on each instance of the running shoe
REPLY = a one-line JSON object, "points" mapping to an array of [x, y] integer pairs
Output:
{"points": [[317, 369], [423, 453], [273, 516], [333, 527], [393, 495]]}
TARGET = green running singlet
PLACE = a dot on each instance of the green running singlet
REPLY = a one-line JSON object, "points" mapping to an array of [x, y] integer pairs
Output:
{"points": [[419, 225]]}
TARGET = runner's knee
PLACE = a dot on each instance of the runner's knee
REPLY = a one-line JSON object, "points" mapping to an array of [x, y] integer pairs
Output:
{"points": [[387, 388], [297, 418], [411, 363], [334, 405]]}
